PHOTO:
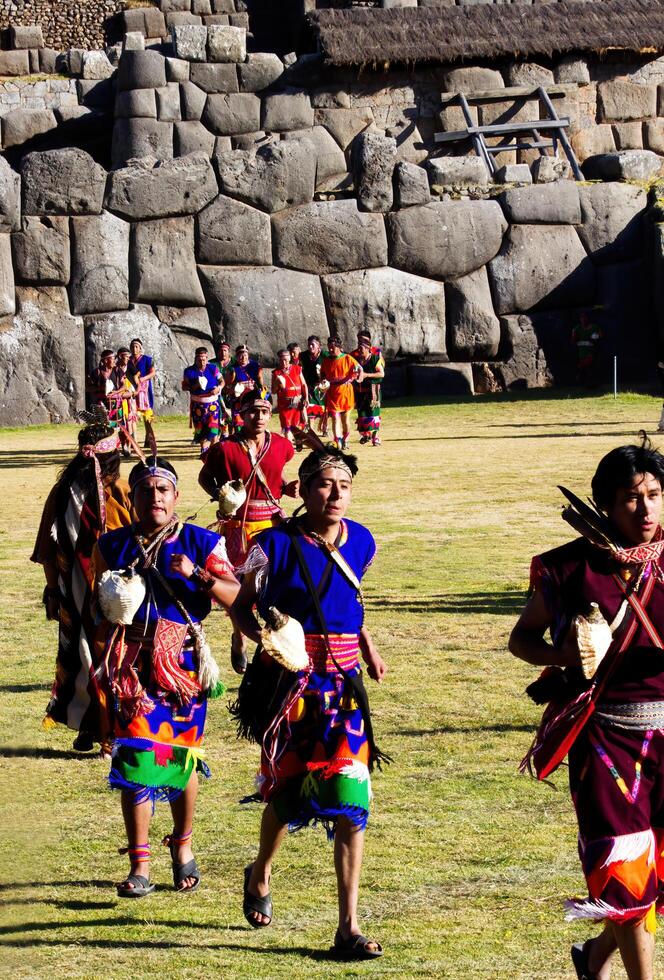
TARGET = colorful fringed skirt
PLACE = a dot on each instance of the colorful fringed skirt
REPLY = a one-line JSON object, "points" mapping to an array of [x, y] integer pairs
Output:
{"points": [[320, 770], [617, 783], [368, 410], [156, 752], [205, 419]]}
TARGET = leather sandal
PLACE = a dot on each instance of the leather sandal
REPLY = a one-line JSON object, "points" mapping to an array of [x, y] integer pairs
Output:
{"points": [[189, 869], [253, 903], [580, 954], [238, 657], [356, 947], [135, 886]]}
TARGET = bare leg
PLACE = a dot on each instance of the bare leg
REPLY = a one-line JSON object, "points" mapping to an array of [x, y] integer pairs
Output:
{"points": [[272, 834], [137, 825], [600, 952], [336, 426], [345, 426], [183, 821], [636, 947], [238, 651]]}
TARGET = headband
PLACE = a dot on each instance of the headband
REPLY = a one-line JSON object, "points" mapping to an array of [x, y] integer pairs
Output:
{"points": [[105, 445], [316, 466], [147, 471]]}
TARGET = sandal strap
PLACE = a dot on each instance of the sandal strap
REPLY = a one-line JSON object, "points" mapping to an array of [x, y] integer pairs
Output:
{"points": [[177, 840], [138, 852]]}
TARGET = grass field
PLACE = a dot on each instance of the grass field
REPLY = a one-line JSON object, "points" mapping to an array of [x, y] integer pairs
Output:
{"points": [[467, 862]]}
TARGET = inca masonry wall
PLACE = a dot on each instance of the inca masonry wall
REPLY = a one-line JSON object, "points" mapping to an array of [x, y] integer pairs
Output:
{"points": [[264, 199]]}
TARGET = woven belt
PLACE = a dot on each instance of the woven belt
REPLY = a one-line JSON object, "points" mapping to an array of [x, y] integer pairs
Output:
{"points": [[345, 648], [639, 716]]}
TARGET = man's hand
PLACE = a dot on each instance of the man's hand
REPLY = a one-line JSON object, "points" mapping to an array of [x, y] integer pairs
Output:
{"points": [[181, 565], [291, 489], [376, 666]]}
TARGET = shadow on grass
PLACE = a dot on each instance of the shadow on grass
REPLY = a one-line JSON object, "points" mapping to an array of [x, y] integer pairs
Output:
{"points": [[497, 603], [29, 752], [509, 435], [22, 688], [82, 883], [141, 945], [462, 730]]}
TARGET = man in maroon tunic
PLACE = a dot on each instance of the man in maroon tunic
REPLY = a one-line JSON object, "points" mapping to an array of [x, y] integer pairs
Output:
{"points": [[607, 709], [257, 457]]}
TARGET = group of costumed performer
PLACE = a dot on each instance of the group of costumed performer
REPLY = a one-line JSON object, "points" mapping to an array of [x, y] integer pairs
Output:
{"points": [[317, 745], [253, 461], [601, 596], [292, 392], [204, 382], [156, 581], [88, 499]]}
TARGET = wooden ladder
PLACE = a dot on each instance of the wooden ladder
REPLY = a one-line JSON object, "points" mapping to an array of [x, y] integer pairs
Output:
{"points": [[529, 132]]}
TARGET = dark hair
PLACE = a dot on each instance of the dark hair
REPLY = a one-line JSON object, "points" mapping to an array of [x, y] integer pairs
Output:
{"points": [[123, 350], [293, 344], [159, 461], [106, 353], [364, 333], [619, 468], [283, 350], [310, 466], [334, 339], [201, 350], [313, 336], [250, 396], [82, 468], [136, 340]]}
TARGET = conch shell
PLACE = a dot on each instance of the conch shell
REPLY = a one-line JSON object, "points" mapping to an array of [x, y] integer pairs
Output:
{"points": [[283, 639], [231, 497], [593, 635], [121, 593]]}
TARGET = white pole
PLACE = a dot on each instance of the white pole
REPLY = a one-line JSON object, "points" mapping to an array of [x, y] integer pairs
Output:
{"points": [[615, 376]]}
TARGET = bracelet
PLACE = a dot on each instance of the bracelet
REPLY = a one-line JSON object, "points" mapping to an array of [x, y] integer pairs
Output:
{"points": [[202, 579]]}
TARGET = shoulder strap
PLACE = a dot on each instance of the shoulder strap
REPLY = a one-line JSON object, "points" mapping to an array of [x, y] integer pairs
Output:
{"points": [[638, 605]]}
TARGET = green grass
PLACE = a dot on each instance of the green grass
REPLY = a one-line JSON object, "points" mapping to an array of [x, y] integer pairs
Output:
{"points": [[467, 862]]}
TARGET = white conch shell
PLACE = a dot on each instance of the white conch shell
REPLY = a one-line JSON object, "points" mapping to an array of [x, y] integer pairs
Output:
{"points": [[593, 635], [202, 382], [120, 595], [283, 639], [231, 497]]}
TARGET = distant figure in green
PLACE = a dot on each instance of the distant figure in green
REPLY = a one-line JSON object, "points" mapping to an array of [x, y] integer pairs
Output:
{"points": [[586, 335]]}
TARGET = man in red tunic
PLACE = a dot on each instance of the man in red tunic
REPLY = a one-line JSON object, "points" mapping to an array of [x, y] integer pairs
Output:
{"points": [[289, 386], [257, 457]]}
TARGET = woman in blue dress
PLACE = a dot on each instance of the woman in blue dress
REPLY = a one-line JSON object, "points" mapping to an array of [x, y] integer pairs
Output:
{"points": [[318, 751]]}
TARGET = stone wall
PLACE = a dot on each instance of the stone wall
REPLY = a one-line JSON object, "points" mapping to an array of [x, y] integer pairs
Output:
{"points": [[64, 23], [264, 199]]}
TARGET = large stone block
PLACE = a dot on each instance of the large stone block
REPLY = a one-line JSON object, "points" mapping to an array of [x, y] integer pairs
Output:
{"points": [[375, 157], [192, 101], [160, 340], [229, 115], [284, 304], [141, 138], [458, 172], [528, 73], [151, 189], [139, 103], [233, 233], [525, 365], [330, 159], [141, 69], [472, 80], [406, 314], [179, 17], [287, 110], [7, 299], [411, 185], [345, 124], [274, 177], [42, 359], [190, 42], [621, 99], [41, 251], [214, 78], [572, 69], [445, 240], [174, 6], [548, 170], [177, 70], [96, 94], [168, 102], [654, 135], [96, 65], [589, 142], [551, 203], [628, 135], [29, 36], [541, 267], [192, 137], [22, 125], [100, 264], [473, 327], [14, 63], [510, 111], [612, 220], [227, 44], [10, 197], [62, 182], [149, 21], [259, 71], [163, 266], [329, 236], [624, 165]]}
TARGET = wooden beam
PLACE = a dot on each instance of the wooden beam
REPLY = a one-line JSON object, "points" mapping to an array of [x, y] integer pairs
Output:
{"points": [[507, 147], [513, 92], [502, 129]]}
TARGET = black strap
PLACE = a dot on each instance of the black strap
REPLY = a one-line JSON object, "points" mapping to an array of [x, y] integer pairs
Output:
{"points": [[355, 681]]}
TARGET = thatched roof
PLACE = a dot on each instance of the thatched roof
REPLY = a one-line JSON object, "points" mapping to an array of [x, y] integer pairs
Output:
{"points": [[450, 34]]}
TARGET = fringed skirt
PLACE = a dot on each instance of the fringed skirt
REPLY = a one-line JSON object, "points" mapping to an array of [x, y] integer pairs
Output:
{"points": [[368, 413], [155, 753], [320, 769], [205, 420]]}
